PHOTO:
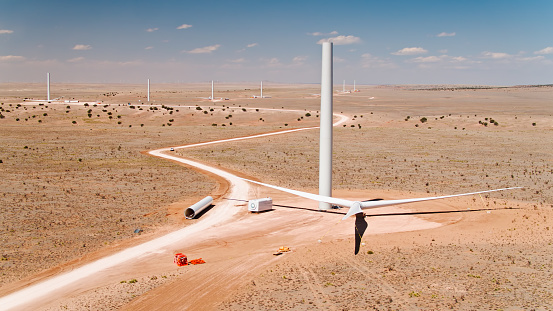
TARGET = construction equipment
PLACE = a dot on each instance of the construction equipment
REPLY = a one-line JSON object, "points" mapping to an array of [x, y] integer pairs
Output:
{"points": [[180, 259]]}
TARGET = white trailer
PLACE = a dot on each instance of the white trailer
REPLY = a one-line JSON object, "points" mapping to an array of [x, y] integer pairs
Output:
{"points": [[260, 205]]}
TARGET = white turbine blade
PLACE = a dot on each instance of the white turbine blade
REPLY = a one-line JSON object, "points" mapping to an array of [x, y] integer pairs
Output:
{"points": [[382, 203], [311, 196]]}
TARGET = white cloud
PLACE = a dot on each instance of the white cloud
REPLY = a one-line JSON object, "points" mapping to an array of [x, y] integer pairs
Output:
{"points": [[121, 64], [274, 61], [494, 55], [458, 59], [11, 58], [530, 59], [238, 60], [446, 34], [443, 60], [75, 60], [411, 51], [299, 60], [251, 45], [152, 29], [428, 59], [271, 62], [184, 26], [5, 31], [332, 33], [547, 50], [204, 50], [82, 47], [444, 51], [341, 40], [148, 47], [370, 61]]}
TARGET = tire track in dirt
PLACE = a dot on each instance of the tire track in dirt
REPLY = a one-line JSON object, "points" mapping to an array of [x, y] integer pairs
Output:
{"points": [[384, 285], [317, 290]]}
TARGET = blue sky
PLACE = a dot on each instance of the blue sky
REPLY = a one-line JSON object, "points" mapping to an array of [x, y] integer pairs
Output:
{"points": [[375, 42]]}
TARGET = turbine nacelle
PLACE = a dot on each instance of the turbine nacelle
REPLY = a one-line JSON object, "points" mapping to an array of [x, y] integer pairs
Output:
{"points": [[355, 208]]}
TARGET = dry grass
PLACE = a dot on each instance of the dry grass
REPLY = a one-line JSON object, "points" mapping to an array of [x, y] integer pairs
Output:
{"points": [[73, 183]]}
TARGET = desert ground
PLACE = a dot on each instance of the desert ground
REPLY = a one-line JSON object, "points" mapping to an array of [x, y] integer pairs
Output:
{"points": [[77, 184]]}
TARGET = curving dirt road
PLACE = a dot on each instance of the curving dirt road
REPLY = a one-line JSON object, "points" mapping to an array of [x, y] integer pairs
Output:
{"points": [[52, 289]]}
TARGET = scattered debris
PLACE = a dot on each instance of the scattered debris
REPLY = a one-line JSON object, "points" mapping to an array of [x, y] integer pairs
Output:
{"points": [[198, 261], [281, 250], [138, 230]]}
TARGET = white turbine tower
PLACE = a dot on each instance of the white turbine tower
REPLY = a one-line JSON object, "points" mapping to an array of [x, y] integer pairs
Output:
{"points": [[325, 199], [148, 90], [212, 98], [261, 89], [325, 144], [48, 85]]}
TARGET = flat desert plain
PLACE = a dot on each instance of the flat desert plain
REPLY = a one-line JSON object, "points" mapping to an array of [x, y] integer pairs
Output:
{"points": [[77, 184]]}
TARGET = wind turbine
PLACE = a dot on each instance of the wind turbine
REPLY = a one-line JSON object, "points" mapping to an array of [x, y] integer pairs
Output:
{"points": [[48, 85], [261, 95], [324, 197]]}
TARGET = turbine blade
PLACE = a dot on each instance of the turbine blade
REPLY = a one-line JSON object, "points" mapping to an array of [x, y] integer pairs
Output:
{"points": [[311, 196], [382, 203]]}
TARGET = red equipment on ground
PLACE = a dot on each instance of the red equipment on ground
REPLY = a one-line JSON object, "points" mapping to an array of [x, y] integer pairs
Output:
{"points": [[197, 261], [180, 259]]}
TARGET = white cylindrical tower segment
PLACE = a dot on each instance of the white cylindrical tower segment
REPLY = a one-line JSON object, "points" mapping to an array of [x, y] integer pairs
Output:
{"points": [[325, 144], [48, 85], [148, 90]]}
